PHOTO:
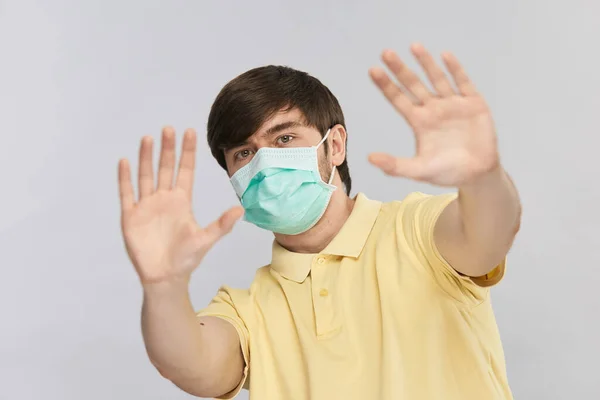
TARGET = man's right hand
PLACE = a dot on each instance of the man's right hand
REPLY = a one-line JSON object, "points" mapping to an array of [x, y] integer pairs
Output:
{"points": [[200, 355], [162, 238]]}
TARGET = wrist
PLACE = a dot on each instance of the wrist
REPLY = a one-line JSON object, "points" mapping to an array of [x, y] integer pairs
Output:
{"points": [[490, 178], [168, 287]]}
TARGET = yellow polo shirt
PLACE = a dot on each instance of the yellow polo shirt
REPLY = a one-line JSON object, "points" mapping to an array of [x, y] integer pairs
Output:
{"points": [[377, 315]]}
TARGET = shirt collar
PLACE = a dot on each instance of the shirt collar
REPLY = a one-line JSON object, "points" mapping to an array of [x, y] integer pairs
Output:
{"points": [[349, 242]]}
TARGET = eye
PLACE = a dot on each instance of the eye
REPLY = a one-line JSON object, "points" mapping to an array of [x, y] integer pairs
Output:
{"points": [[242, 154], [284, 139]]}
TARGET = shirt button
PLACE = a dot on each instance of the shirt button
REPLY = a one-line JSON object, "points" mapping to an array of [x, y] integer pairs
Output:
{"points": [[321, 260], [323, 293]]}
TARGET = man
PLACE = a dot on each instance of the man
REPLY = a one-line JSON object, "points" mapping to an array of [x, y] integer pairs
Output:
{"points": [[362, 300]]}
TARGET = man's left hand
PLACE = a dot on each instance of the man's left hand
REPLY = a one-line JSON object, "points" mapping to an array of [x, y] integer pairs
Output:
{"points": [[454, 131]]}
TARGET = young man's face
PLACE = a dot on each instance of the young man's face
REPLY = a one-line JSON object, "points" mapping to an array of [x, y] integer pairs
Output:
{"points": [[284, 129]]}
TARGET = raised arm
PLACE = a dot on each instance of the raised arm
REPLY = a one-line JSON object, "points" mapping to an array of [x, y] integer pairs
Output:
{"points": [[456, 147], [165, 244]]}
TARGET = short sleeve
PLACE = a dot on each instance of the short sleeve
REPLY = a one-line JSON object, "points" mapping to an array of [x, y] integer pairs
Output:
{"points": [[223, 306], [417, 217]]}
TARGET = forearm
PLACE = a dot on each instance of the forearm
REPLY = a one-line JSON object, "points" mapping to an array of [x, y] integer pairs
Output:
{"points": [[490, 212], [172, 332], [200, 355]]}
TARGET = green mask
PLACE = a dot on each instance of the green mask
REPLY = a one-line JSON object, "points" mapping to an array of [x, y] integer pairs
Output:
{"points": [[281, 190]]}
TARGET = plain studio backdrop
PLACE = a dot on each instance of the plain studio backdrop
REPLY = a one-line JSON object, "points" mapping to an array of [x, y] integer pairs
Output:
{"points": [[81, 82]]}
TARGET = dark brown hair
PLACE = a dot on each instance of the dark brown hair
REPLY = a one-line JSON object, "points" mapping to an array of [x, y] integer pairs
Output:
{"points": [[249, 100]]}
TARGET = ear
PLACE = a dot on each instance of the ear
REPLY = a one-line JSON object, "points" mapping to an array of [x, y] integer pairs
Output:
{"points": [[337, 144]]}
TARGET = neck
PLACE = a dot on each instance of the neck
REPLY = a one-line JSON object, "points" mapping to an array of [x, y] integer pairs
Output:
{"points": [[318, 237]]}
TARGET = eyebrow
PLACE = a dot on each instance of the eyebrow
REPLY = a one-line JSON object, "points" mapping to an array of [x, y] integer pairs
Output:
{"points": [[269, 132], [282, 127]]}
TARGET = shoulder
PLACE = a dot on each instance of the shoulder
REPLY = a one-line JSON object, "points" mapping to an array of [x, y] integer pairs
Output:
{"points": [[416, 199], [408, 220], [262, 278], [242, 298]]}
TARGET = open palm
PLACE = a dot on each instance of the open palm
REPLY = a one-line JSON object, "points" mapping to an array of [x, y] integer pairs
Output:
{"points": [[161, 235], [455, 136]]}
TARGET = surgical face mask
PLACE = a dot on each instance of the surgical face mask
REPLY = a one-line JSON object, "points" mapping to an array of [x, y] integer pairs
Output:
{"points": [[281, 189]]}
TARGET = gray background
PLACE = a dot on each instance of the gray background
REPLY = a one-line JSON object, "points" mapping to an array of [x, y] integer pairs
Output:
{"points": [[81, 82]]}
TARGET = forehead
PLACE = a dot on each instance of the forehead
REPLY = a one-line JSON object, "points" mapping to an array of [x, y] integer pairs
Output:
{"points": [[280, 118]]}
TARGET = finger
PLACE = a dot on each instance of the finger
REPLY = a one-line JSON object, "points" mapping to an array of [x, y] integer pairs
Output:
{"points": [[403, 167], [392, 92], [166, 167], [463, 83], [126, 193], [146, 171], [405, 76], [185, 176], [224, 224], [434, 73]]}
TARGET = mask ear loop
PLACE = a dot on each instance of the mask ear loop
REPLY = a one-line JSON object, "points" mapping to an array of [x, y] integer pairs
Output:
{"points": [[319, 145], [324, 138], [332, 175]]}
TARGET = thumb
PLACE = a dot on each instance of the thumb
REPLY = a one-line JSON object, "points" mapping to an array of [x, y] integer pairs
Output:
{"points": [[222, 226], [403, 167], [195, 247]]}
